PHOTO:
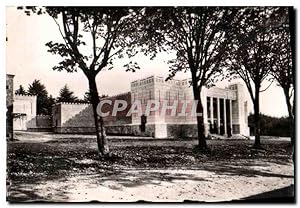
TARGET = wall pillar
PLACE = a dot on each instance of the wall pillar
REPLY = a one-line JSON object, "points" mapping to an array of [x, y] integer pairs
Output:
{"points": [[230, 115], [212, 110], [218, 115], [204, 105], [225, 119]]}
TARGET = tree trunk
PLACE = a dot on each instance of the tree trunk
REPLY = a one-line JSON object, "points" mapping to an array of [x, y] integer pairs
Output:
{"points": [[256, 119], [99, 125], [200, 119], [291, 12], [291, 115], [200, 125]]}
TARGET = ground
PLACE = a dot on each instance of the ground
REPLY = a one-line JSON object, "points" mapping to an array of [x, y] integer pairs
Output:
{"points": [[51, 167]]}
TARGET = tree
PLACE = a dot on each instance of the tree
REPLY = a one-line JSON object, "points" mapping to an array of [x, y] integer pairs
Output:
{"points": [[283, 70], [200, 37], [66, 95], [50, 103], [38, 89], [111, 31], [20, 91], [253, 55], [272, 126], [87, 97]]}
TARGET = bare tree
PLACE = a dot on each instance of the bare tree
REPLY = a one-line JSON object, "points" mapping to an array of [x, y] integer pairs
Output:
{"points": [[200, 37], [252, 55], [111, 35]]}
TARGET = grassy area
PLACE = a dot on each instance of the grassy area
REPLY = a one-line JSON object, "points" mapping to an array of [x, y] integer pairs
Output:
{"points": [[33, 162]]}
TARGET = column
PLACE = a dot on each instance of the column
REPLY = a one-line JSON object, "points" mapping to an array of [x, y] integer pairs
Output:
{"points": [[212, 110], [225, 119], [230, 109], [218, 114], [204, 104]]}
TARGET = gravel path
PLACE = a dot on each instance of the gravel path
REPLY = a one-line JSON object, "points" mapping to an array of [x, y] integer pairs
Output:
{"points": [[173, 185], [66, 168]]}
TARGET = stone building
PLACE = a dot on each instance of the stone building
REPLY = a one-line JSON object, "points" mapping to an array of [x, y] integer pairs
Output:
{"points": [[225, 111]]}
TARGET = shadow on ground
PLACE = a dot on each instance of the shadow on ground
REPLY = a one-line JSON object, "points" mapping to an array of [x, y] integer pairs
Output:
{"points": [[286, 194], [32, 163]]}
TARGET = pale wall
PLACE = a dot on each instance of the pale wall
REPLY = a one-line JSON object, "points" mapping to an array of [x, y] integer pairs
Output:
{"points": [[25, 105]]}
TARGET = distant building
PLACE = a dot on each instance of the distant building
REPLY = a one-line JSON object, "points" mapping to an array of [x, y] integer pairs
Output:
{"points": [[24, 111], [225, 111], [78, 117], [25, 117], [21, 112]]}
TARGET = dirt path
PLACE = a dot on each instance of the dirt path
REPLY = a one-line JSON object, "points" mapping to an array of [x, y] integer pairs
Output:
{"points": [[164, 185]]}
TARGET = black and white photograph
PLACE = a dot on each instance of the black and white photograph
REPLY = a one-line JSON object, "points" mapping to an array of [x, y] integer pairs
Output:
{"points": [[150, 104]]}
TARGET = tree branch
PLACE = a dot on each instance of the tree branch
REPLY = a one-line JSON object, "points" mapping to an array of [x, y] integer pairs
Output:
{"points": [[267, 86]]}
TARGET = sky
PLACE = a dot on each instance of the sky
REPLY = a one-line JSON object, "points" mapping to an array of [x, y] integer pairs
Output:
{"points": [[27, 58]]}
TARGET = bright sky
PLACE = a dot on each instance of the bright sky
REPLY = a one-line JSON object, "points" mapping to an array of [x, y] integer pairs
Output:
{"points": [[28, 59]]}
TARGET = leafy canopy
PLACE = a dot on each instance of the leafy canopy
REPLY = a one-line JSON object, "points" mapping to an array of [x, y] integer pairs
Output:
{"points": [[93, 37], [254, 47], [198, 35]]}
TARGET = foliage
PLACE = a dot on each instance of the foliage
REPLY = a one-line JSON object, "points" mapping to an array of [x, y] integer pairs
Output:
{"points": [[254, 53], [113, 34], [87, 97], [282, 70], [253, 47], [111, 31], [51, 102], [271, 126], [44, 104], [198, 35], [66, 95], [20, 91]]}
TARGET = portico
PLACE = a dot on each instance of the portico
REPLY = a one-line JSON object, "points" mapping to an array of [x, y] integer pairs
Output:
{"points": [[219, 118], [226, 110]]}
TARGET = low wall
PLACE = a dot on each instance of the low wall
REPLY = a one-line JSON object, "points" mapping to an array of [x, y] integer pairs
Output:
{"points": [[130, 130], [73, 130], [40, 123], [151, 130], [133, 130], [37, 123], [182, 130]]}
